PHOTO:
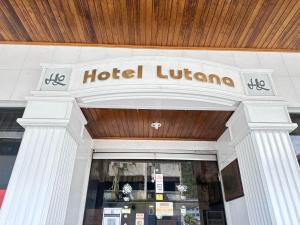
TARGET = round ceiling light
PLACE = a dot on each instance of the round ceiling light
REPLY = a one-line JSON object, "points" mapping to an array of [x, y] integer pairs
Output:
{"points": [[156, 125]]}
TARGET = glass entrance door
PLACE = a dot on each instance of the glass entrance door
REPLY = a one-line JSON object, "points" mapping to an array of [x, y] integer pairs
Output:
{"points": [[131, 192]]}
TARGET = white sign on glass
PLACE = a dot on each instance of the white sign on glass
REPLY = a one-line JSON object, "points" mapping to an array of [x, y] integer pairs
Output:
{"points": [[111, 216], [139, 219], [164, 209], [159, 183]]}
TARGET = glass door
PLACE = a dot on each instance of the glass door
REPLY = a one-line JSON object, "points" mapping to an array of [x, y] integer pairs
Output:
{"points": [[148, 192]]}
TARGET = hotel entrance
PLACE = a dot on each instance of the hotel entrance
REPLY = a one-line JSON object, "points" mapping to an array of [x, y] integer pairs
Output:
{"points": [[133, 180], [141, 185], [152, 149], [154, 192]]}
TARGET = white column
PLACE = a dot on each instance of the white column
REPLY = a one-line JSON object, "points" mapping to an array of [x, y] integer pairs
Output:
{"points": [[39, 187], [80, 180], [236, 210], [269, 170]]}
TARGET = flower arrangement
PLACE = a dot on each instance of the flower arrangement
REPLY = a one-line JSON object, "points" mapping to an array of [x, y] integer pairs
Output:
{"points": [[127, 189], [182, 188]]}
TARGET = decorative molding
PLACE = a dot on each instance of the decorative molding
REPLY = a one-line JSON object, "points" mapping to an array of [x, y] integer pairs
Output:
{"points": [[151, 149], [105, 145], [289, 127], [156, 156], [12, 104], [146, 94], [54, 112], [259, 115], [24, 122]]}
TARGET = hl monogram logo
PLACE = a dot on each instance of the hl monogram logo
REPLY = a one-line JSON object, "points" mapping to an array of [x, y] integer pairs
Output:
{"points": [[56, 79], [258, 84]]}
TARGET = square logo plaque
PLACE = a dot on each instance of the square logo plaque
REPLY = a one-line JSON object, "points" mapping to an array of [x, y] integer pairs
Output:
{"points": [[258, 84], [56, 79]]}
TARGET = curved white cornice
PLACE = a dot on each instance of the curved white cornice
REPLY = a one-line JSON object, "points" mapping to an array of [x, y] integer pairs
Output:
{"points": [[151, 91], [145, 94]]}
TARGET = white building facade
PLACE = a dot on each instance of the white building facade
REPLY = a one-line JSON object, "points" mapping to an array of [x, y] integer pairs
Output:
{"points": [[49, 181]]}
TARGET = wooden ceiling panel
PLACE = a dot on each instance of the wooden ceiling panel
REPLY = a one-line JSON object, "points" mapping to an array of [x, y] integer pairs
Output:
{"points": [[196, 24], [136, 124]]}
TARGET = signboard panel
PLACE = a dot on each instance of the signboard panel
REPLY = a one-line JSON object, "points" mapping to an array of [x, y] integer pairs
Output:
{"points": [[158, 73], [56, 79], [258, 84]]}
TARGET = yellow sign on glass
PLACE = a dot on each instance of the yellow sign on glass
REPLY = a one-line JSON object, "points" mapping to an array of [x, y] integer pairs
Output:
{"points": [[159, 197]]}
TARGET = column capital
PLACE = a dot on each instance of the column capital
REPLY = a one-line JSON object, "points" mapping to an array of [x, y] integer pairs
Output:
{"points": [[259, 115], [54, 112]]}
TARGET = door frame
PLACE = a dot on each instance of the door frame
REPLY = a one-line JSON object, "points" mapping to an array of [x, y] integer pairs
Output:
{"points": [[154, 149]]}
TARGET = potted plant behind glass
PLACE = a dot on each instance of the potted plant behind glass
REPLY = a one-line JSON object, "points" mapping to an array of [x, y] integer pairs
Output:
{"points": [[126, 190], [189, 219], [119, 168]]}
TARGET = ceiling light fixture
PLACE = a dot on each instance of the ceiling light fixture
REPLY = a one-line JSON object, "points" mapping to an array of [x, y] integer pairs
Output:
{"points": [[156, 125]]}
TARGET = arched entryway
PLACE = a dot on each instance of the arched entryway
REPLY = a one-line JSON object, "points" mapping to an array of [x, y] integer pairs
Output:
{"points": [[55, 154]]}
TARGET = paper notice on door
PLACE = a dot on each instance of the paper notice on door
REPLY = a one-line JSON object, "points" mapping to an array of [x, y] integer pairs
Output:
{"points": [[139, 219], [164, 209], [111, 216], [159, 183], [159, 197]]}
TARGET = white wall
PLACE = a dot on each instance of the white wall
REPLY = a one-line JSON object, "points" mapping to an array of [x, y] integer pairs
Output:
{"points": [[20, 65], [79, 185], [77, 196], [236, 210]]}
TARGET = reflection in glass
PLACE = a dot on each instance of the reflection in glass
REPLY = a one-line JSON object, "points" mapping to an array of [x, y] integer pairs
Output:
{"points": [[10, 138], [154, 193], [295, 135]]}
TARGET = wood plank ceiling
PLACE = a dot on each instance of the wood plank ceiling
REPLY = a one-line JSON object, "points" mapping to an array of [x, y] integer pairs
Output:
{"points": [[136, 124], [200, 24]]}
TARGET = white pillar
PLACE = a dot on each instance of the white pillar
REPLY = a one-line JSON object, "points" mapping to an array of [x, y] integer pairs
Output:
{"points": [[268, 166], [39, 187], [236, 210], [80, 180]]}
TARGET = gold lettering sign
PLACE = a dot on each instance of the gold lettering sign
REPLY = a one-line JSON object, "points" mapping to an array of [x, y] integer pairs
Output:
{"points": [[186, 74]]}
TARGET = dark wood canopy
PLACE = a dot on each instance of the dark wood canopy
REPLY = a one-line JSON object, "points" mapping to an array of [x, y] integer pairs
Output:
{"points": [[136, 124], [201, 24]]}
